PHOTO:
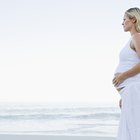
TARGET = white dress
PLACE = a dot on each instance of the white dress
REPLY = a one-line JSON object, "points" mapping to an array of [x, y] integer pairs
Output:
{"points": [[129, 126]]}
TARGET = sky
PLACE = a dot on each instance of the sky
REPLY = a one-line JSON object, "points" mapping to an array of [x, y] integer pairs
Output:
{"points": [[60, 50]]}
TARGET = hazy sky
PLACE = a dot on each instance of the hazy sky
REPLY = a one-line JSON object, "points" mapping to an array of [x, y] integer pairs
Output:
{"points": [[60, 50]]}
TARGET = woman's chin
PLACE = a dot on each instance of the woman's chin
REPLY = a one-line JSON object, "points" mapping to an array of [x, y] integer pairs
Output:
{"points": [[125, 30]]}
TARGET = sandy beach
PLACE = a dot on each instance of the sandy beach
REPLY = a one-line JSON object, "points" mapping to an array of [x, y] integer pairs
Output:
{"points": [[46, 137]]}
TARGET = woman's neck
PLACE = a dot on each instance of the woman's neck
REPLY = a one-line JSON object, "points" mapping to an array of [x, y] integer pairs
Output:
{"points": [[134, 33]]}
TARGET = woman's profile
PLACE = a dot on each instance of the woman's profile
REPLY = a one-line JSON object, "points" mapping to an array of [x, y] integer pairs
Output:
{"points": [[127, 78]]}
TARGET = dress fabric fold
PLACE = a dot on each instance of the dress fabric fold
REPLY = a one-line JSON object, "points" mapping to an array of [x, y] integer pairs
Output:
{"points": [[129, 128]]}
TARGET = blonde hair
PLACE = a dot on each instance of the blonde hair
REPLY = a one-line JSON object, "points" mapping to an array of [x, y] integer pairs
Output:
{"points": [[134, 13]]}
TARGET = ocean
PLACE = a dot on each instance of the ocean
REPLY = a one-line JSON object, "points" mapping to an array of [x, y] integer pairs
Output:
{"points": [[59, 119]]}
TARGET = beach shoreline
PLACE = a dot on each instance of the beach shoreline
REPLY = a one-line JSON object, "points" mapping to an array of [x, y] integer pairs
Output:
{"points": [[50, 137]]}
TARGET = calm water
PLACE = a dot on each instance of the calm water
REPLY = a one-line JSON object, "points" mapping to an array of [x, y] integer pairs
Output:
{"points": [[56, 119]]}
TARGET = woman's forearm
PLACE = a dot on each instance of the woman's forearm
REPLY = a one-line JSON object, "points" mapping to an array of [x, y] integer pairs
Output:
{"points": [[133, 71]]}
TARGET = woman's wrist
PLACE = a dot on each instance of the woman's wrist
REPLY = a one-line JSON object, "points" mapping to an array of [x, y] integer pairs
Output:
{"points": [[127, 74]]}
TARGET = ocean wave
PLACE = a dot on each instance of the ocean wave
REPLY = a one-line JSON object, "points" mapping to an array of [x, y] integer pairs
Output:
{"points": [[47, 120], [41, 116]]}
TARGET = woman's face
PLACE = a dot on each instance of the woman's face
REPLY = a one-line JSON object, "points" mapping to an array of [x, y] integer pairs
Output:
{"points": [[127, 23]]}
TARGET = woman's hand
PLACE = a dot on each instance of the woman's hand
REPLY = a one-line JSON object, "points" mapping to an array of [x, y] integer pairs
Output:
{"points": [[118, 79]]}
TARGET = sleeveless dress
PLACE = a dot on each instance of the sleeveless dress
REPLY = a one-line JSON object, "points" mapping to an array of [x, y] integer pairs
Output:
{"points": [[129, 125]]}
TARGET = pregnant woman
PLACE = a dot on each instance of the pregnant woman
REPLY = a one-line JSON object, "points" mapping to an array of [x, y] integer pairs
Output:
{"points": [[127, 78]]}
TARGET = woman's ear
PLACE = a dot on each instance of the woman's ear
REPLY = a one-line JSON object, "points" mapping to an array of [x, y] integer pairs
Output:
{"points": [[134, 20]]}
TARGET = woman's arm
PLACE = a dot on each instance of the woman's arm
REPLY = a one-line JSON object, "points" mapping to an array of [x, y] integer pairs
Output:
{"points": [[120, 77], [136, 43]]}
